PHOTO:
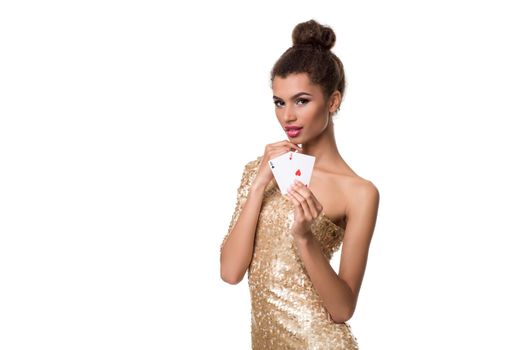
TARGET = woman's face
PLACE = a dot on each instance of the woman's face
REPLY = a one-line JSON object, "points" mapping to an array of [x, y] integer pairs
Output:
{"points": [[299, 103]]}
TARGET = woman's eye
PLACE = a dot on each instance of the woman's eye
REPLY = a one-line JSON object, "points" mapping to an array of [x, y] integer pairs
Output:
{"points": [[300, 101]]}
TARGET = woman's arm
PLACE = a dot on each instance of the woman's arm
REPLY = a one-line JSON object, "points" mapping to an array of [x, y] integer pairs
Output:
{"points": [[339, 292], [237, 246]]}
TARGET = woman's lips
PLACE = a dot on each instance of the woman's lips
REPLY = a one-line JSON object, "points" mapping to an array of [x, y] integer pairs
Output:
{"points": [[293, 132]]}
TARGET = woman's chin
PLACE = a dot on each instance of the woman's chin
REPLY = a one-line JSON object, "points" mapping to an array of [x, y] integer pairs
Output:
{"points": [[295, 139]]}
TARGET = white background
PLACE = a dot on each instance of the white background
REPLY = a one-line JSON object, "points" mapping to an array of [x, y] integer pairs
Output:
{"points": [[125, 126]]}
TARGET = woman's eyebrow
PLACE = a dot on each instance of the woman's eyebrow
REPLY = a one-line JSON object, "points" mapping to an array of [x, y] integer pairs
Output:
{"points": [[294, 96]]}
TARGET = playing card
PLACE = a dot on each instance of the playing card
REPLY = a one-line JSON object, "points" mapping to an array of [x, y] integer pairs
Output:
{"points": [[291, 166], [281, 169], [302, 167]]}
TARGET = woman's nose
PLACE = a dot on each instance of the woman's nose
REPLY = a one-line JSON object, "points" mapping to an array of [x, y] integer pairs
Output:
{"points": [[289, 114]]}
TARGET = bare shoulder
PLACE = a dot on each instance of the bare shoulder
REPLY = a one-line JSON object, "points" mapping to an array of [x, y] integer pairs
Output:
{"points": [[358, 192], [342, 192], [360, 187], [362, 199]]}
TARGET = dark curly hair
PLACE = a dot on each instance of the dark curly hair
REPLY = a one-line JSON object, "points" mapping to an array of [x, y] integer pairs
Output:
{"points": [[311, 54]]}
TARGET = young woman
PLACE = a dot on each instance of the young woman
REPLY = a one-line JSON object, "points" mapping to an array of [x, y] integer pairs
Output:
{"points": [[286, 242]]}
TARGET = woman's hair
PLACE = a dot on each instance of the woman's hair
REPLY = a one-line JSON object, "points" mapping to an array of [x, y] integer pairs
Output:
{"points": [[311, 54]]}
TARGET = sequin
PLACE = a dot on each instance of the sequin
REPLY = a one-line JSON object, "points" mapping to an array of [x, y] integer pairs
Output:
{"points": [[286, 311]]}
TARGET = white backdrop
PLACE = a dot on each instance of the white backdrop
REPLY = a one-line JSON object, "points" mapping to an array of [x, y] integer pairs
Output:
{"points": [[125, 126]]}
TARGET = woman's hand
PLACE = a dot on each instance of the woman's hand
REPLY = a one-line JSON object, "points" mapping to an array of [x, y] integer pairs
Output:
{"points": [[307, 209], [272, 150]]}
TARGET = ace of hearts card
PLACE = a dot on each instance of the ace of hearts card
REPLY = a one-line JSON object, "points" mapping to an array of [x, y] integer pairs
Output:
{"points": [[291, 166]]}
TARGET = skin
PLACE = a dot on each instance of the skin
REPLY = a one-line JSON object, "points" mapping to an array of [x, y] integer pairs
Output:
{"points": [[334, 189]]}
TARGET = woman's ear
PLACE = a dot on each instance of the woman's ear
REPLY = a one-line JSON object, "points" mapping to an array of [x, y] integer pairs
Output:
{"points": [[335, 101]]}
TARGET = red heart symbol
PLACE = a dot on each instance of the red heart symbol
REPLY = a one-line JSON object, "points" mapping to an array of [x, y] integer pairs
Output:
{"points": [[298, 172]]}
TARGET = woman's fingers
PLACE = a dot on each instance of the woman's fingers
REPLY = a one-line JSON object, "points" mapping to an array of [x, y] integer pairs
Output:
{"points": [[304, 197], [308, 202], [297, 201], [294, 146], [276, 149], [300, 202], [289, 145], [281, 147]]}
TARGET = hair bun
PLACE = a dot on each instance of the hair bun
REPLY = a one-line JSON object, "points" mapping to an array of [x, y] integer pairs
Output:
{"points": [[313, 33]]}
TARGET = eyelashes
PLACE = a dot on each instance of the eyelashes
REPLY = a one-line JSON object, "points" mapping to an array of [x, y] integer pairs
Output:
{"points": [[303, 100]]}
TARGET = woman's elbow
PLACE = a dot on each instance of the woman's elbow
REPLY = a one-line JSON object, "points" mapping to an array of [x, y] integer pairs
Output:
{"points": [[343, 316], [231, 278]]}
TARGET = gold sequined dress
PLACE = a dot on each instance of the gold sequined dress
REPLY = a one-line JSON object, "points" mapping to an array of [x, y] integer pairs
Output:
{"points": [[287, 312]]}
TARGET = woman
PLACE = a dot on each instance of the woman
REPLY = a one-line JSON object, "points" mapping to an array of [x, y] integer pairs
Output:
{"points": [[286, 242]]}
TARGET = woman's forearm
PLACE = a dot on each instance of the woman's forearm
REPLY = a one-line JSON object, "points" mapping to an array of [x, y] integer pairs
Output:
{"points": [[337, 296], [237, 251]]}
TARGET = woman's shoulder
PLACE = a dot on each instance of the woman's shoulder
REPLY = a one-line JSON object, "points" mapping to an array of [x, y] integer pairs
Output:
{"points": [[359, 190], [355, 186], [253, 163], [357, 183]]}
